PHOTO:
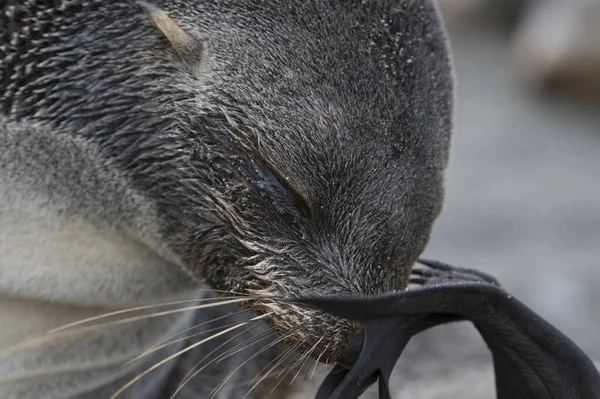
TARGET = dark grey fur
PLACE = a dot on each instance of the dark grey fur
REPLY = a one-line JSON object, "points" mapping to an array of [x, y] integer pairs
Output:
{"points": [[349, 101]]}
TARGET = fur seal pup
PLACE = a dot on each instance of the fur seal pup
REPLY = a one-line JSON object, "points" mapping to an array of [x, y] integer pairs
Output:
{"points": [[270, 148]]}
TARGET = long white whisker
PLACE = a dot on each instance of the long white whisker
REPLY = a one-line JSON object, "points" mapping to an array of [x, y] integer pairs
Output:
{"points": [[132, 310], [187, 349], [45, 338], [307, 356], [168, 341], [248, 343], [317, 362], [280, 377], [288, 368], [298, 362], [262, 350], [288, 353], [192, 372], [202, 324], [236, 349], [275, 362], [163, 345]]}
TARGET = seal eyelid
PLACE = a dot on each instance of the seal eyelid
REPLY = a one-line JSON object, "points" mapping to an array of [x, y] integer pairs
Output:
{"points": [[297, 200]]}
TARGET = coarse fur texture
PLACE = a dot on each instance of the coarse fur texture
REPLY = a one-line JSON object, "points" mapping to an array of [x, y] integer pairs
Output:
{"points": [[64, 257], [301, 153]]}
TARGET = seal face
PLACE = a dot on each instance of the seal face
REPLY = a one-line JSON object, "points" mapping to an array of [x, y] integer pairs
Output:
{"points": [[300, 154]]}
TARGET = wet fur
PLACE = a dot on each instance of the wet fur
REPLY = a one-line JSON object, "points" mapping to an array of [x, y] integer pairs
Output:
{"points": [[349, 101]]}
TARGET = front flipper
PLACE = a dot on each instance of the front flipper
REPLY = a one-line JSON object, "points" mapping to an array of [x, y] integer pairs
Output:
{"points": [[532, 359], [381, 345]]}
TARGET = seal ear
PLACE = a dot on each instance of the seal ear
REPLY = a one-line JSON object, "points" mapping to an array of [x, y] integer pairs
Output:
{"points": [[187, 47]]}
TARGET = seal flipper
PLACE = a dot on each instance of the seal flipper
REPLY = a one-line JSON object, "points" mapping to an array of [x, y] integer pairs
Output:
{"points": [[532, 359], [383, 343], [371, 363]]}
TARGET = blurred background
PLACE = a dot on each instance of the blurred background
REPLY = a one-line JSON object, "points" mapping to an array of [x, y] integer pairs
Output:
{"points": [[523, 187]]}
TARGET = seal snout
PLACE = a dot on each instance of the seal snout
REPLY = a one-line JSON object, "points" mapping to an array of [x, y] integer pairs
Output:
{"points": [[308, 331]]}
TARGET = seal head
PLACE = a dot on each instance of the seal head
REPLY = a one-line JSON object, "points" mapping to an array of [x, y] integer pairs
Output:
{"points": [[293, 148]]}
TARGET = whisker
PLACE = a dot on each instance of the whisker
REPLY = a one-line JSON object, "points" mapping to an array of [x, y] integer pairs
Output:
{"points": [[325, 365], [307, 356], [287, 369], [281, 377], [134, 309], [304, 378], [235, 349], [317, 362], [228, 377], [193, 372], [45, 338], [288, 353], [165, 343], [299, 363], [187, 349], [243, 346], [278, 359], [151, 349]]}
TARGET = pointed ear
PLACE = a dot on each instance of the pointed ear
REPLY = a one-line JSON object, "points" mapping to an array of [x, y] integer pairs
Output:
{"points": [[188, 47]]}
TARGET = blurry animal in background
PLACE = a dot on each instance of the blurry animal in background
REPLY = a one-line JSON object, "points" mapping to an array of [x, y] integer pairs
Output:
{"points": [[556, 44]]}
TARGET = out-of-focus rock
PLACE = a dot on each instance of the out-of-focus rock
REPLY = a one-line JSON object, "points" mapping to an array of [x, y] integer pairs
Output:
{"points": [[467, 14], [557, 47]]}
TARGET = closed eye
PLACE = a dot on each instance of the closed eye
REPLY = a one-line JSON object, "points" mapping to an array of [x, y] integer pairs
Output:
{"points": [[284, 194]]}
